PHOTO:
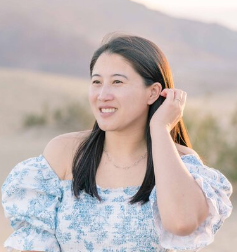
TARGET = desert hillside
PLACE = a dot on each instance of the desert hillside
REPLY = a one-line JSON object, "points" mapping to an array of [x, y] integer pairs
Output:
{"points": [[60, 36]]}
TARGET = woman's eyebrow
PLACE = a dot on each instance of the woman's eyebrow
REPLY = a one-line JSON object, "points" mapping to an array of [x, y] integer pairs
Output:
{"points": [[122, 75]]}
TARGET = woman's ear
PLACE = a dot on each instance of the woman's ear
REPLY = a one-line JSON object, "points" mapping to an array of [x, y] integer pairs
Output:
{"points": [[154, 92]]}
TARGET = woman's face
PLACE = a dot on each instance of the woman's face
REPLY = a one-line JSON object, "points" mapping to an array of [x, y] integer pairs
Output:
{"points": [[116, 84]]}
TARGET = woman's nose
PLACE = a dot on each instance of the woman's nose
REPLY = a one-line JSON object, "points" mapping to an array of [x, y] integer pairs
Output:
{"points": [[105, 93]]}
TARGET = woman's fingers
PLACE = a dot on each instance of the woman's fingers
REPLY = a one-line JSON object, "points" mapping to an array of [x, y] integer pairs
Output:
{"points": [[168, 93], [172, 94], [183, 101]]}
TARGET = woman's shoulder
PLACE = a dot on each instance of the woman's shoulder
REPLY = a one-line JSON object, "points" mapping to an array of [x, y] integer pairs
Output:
{"points": [[73, 135], [60, 150]]}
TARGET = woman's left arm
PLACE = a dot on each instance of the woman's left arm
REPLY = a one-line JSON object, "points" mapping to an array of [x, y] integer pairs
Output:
{"points": [[190, 201], [181, 201]]}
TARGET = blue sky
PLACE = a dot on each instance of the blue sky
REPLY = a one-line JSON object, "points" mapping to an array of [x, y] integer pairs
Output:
{"points": [[219, 11]]}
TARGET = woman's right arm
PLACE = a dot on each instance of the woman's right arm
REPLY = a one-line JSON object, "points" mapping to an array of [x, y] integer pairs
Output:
{"points": [[30, 203]]}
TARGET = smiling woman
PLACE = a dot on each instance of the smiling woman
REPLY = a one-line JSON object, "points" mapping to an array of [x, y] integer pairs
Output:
{"points": [[133, 182]]}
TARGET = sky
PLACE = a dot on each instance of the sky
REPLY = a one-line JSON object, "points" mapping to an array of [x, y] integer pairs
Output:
{"points": [[223, 12]]}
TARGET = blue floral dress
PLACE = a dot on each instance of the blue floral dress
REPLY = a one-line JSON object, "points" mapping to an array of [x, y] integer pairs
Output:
{"points": [[46, 216]]}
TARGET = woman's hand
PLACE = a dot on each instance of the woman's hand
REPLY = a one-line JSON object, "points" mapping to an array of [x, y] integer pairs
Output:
{"points": [[171, 110]]}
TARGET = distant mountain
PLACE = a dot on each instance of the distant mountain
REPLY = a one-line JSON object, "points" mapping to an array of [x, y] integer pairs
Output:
{"points": [[60, 36]]}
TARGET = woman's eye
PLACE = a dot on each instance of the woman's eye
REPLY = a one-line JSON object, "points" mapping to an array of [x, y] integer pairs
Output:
{"points": [[118, 81], [95, 81]]}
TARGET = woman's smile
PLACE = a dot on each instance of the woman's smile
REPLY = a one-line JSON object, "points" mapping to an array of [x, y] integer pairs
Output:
{"points": [[107, 112]]}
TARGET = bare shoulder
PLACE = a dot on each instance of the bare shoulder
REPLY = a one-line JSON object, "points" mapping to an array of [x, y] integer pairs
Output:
{"points": [[184, 150], [60, 150], [75, 135]]}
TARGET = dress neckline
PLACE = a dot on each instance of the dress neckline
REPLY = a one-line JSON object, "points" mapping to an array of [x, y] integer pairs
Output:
{"points": [[106, 188]]}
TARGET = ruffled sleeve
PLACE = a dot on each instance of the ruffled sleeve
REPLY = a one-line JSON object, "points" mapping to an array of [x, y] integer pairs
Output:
{"points": [[217, 190], [31, 194]]}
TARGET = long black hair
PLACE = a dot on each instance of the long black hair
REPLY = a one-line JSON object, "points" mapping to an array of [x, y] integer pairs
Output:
{"points": [[151, 64]]}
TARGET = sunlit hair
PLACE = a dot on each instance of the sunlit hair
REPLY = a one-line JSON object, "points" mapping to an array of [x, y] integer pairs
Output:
{"points": [[151, 64]]}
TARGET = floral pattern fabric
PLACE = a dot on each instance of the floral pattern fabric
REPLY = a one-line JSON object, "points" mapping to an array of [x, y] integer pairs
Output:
{"points": [[46, 216]]}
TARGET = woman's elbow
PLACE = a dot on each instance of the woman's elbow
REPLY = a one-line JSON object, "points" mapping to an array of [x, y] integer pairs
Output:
{"points": [[182, 230]]}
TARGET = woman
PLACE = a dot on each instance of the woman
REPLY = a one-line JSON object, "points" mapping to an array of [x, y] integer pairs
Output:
{"points": [[133, 182]]}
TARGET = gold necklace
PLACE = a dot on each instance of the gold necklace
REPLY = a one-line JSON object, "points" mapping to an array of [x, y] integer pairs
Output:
{"points": [[126, 167]]}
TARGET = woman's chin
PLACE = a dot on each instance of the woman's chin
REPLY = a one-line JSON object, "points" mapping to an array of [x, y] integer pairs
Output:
{"points": [[106, 126]]}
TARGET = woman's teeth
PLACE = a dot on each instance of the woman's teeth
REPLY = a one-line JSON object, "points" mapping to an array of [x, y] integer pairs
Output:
{"points": [[108, 110]]}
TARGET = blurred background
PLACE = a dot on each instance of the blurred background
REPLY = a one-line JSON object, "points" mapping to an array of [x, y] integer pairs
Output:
{"points": [[45, 50]]}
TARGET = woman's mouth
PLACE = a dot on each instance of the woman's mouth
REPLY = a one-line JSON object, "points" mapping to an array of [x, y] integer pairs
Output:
{"points": [[107, 112]]}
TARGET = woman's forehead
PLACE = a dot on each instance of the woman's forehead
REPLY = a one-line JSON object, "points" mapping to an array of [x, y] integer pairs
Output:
{"points": [[112, 65]]}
